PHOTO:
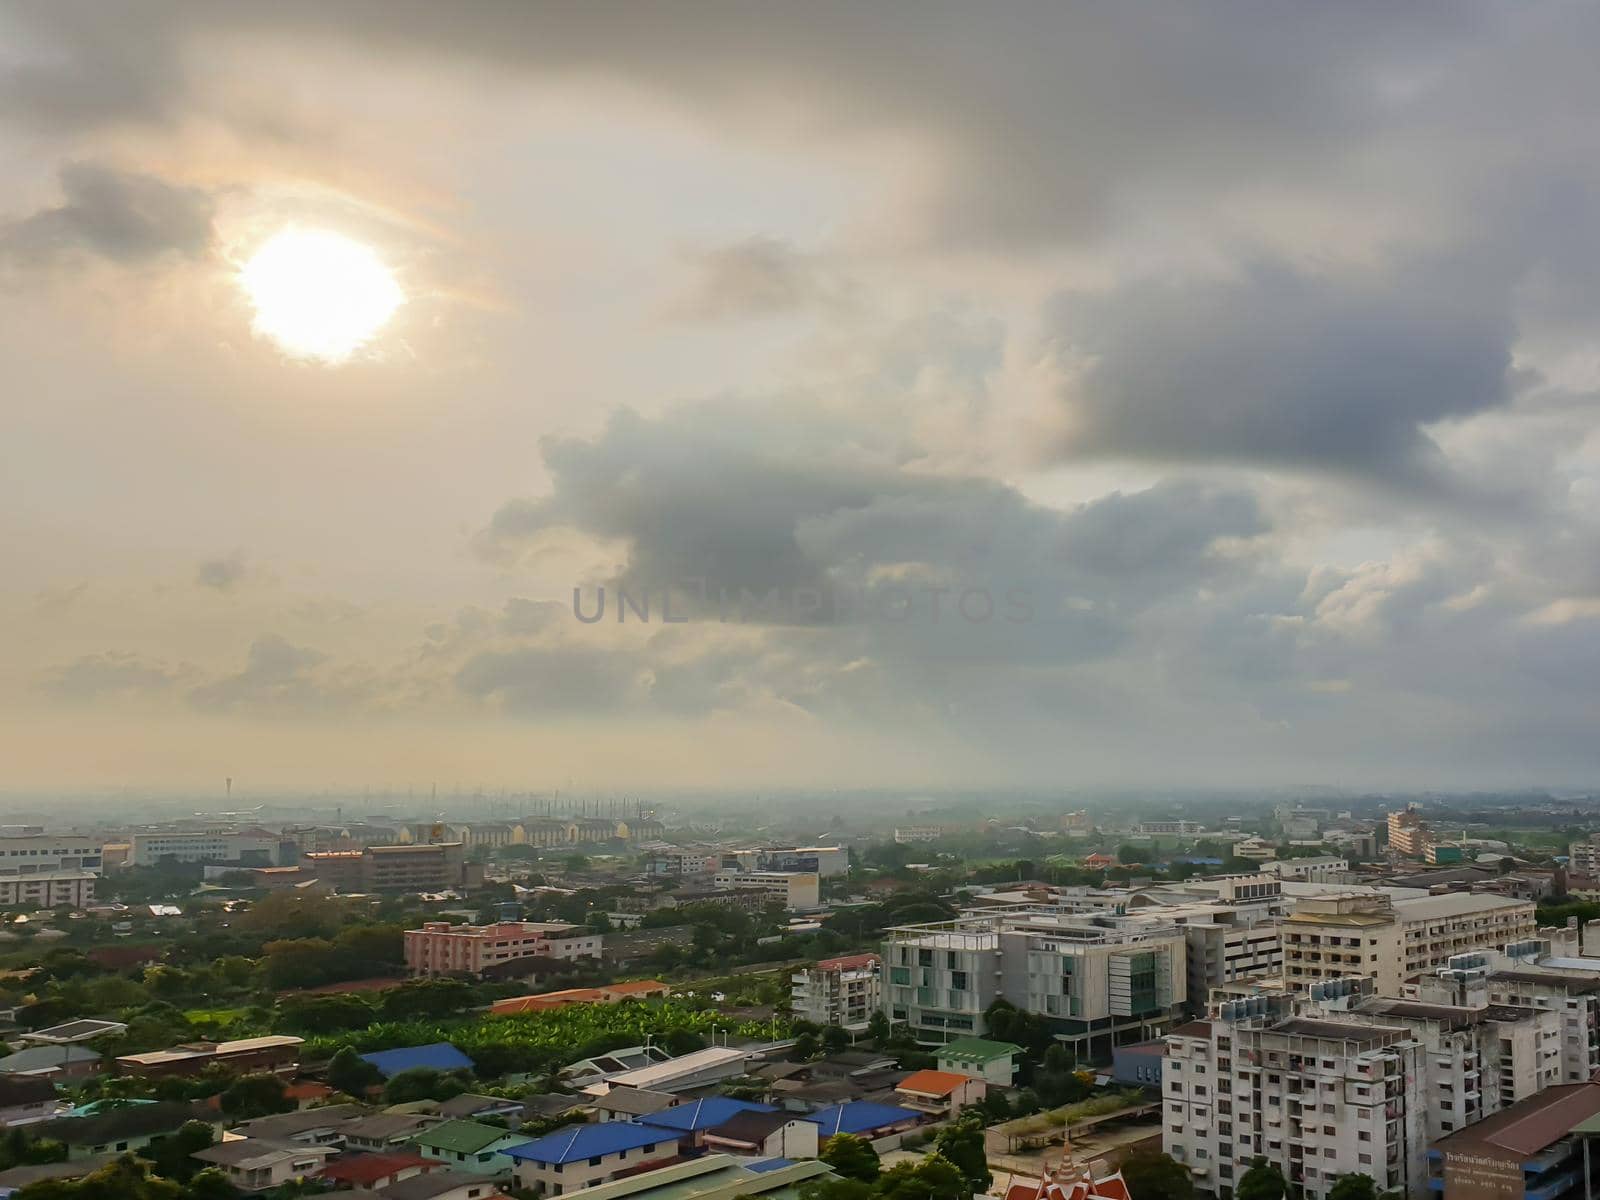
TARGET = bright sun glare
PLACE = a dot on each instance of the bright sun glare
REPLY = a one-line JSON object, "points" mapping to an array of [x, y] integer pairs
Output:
{"points": [[319, 295]]}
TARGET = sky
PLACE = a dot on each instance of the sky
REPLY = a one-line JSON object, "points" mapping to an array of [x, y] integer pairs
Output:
{"points": [[1047, 395]]}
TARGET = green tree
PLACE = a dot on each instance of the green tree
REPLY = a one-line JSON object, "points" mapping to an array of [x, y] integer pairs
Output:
{"points": [[426, 998], [1152, 1175], [324, 1014], [835, 1039], [835, 1189], [211, 1184], [806, 1047], [255, 1096], [424, 1083], [851, 1156], [1129, 853], [961, 1142], [933, 1175], [351, 1073], [171, 1154], [292, 914], [1353, 1187], [878, 1028], [1263, 1181]]}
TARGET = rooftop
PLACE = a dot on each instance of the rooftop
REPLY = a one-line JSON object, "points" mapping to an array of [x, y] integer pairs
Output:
{"points": [[700, 1114], [441, 1056], [579, 1142], [977, 1050], [363, 1170], [430, 1184], [1530, 1125], [933, 1083], [465, 1137], [858, 1116]]}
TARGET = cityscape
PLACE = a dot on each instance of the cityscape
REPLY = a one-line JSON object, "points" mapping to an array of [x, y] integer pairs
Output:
{"points": [[799, 600]]}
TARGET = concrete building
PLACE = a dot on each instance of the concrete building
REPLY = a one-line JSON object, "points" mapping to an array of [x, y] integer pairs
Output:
{"points": [[1538, 1149], [468, 1146], [1255, 849], [405, 867], [906, 834], [439, 948], [792, 889], [48, 889], [46, 870], [1097, 979], [248, 847], [839, 991], [1322, 868], [1371, 932], [1408, 832], [993, 1062], [675, 861], [1319, 1098], [825, 862], [278, 1053], [254, 1165], [1583, 858], [583, 1156]]}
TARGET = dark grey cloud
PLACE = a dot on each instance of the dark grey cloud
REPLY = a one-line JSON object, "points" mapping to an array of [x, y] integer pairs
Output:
{"points": [[111, 674], [756, 277], [120, 215], [1041, 119], [278, 677], [1279, 366], [221, 574]]}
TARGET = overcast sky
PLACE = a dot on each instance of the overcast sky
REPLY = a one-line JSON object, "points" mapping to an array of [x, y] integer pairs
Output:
{"points": [[1244, 355]]}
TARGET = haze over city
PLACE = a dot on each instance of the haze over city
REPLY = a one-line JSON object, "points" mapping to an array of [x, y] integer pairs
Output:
{"points": [[346, 344]]}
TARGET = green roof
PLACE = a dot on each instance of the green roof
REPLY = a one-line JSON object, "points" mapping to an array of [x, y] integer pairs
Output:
{"points": [[977, 1050], [467, 1137]]}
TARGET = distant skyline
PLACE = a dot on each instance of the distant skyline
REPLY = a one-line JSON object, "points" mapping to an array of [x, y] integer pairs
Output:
{"points": [[1256, 344]]}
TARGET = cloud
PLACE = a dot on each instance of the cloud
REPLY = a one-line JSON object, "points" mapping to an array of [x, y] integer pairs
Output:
{"points": [[111, 674], [1281, 366], [757, 277], [221, 574], [115, 214], [280, 677]]}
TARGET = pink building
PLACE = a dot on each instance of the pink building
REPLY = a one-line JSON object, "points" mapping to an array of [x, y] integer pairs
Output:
{"points": [[439, 948]]}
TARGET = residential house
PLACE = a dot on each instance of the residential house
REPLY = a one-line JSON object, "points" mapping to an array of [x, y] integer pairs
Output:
{"points": [[469, 1106], [277, 1053], [323, 1126], [260, 1164], [442, 1185], [584, 1155], [386, 1132], [714, 1177], [994, 1062], [115, 1130], [469, 1146], [377, 1171], [440, 1056], [629, 1103], [27, 1099], [864, 1119], [691, 1119], [63, 1061], [764, 1135], [939, 1094]]}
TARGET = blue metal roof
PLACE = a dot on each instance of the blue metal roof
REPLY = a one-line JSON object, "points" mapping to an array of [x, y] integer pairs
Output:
{"points": [[441, 1056], [858, 1116], [761, 1166], [592, 1141], [704, 1113]]}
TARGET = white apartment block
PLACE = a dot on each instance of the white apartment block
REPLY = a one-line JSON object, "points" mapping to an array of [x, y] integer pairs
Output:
{"points": [[839, 991], [1255, 849], [256, 847], [1226, 945], [905, 834], [823, 861], [1325, 868], [1099, 980], [1370, 932], [792, 889], [48, 870], [1320, 1098], [1583, 858]]}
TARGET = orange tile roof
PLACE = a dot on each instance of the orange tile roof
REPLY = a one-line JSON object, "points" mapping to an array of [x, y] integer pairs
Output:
{"points": [[636, 986], [932, 1083]]}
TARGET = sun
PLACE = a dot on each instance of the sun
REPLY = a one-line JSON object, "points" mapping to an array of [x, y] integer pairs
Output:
{"points": [[318, 294]]}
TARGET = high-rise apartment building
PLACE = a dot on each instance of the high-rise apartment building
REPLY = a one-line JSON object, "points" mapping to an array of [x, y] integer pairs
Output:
{"points": [[839, 991], [1408, 832], [1098, 980]]}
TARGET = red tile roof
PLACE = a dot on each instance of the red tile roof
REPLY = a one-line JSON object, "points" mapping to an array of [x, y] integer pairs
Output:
{"points": [[364, 1170]]}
